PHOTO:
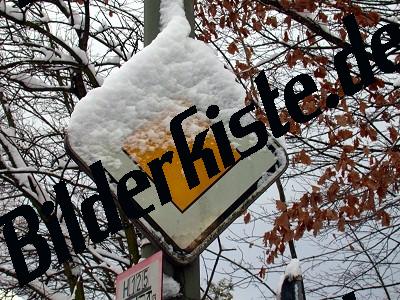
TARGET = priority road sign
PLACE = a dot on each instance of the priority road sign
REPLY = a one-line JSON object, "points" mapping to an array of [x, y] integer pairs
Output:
{"points": [[153, 116], [184, 227]]}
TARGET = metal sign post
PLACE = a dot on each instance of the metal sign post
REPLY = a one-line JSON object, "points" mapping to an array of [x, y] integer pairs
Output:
{"points": [[152, 18], [188, 275]]}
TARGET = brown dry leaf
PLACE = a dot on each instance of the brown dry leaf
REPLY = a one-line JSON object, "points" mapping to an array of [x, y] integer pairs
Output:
{"points": [[327, 174], [270, 259], [333, 190], [341, 224], [232, 48], [286, 37], [323, 17], [290, 61], [303, 4], [342, 120], [393, 134], [280, 205], [222, 22], [298, 55], [257, 26], [283, 221], [344, 134], [227, 5], [373, 135], [356, 143], [288, 21], [363, 106], [310, 37], [374, 17], [320, 72], [353, 177], [262, 272], [304, 200], [317, 227], [212, 10], [273, 21], [315, 189], [385, 217], [303, 158], [281, 248], [299, 233], [247, 218], [331, 214], [343, 34], [348, 148]]}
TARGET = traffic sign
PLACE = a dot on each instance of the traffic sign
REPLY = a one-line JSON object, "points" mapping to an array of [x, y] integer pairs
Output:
{"points": [[184, 227], [142, 281], [175, 113]]}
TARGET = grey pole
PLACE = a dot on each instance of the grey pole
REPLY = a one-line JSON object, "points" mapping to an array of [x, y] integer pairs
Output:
{"points": [[292, 289], [188, 276], [152, 18]]}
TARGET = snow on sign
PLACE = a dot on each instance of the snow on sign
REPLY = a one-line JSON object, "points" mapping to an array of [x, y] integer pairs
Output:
{"points": [[174, 113], [143, 281]]}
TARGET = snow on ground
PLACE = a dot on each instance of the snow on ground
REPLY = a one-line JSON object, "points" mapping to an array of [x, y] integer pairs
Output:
{"points": [[171, 74]]}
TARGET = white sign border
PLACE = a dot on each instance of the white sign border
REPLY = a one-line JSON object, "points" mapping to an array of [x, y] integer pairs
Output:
{"points": [[183, 258]]}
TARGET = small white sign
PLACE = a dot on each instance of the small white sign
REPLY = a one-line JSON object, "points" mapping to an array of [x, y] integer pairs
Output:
{"points": [[141, 282]]}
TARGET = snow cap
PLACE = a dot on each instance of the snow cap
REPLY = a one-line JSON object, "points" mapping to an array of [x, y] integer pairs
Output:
{"points": [[171, 74]]}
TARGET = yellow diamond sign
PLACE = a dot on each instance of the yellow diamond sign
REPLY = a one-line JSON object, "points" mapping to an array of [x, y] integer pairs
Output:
{"points": [[182, 195]]}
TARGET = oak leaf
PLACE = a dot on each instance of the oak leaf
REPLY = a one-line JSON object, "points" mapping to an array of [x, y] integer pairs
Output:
{"points": [[262, 272], [288, 21], [393, 134], [280, 205], [333, 190], [320, 72], [232, 48], [385, 217], [283, 221], [341, 224], [247, 218], [303, 158], [344, 134]]}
